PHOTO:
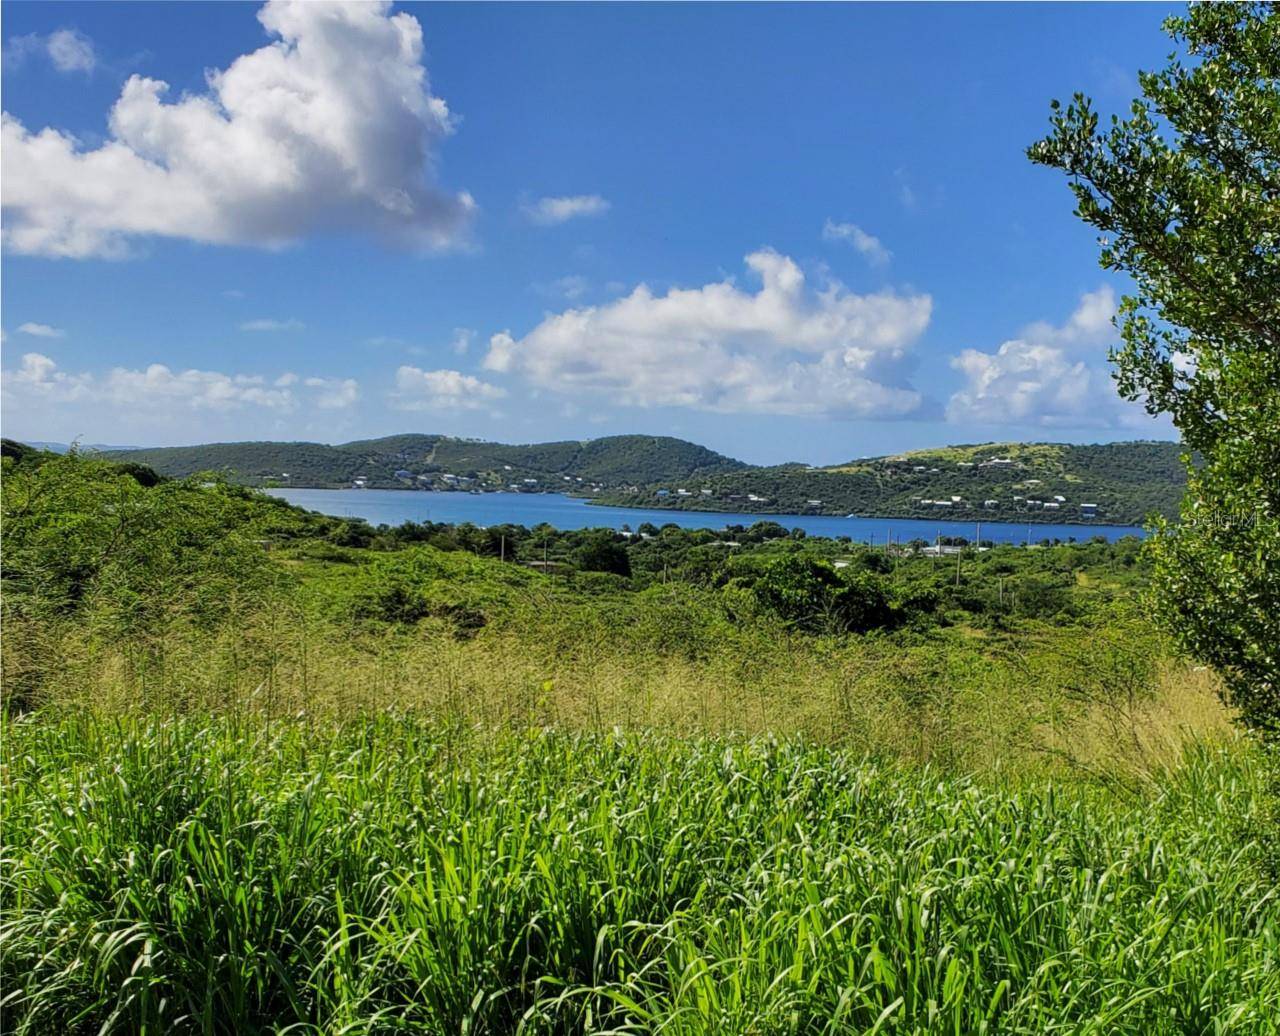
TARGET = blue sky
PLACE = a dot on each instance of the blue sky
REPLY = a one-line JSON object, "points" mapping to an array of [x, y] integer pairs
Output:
{"points": [[787, 232]]}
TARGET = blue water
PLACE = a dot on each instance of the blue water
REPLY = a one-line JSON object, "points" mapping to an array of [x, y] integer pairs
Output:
{"points": [[394, 506]]}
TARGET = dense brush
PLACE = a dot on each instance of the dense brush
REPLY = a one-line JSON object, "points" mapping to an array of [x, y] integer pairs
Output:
{"points": [[223, 875]]}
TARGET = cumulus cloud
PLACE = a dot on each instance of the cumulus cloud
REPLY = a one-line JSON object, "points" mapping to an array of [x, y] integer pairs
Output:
{"points": [[785, 349], [333, 393], [1052, 376], [864, 244], [331, 127], [38, 378], [550, 211], [41, 330], [1089, 324], [272, 325], [68, 50], [159, 388], [417, 389]]}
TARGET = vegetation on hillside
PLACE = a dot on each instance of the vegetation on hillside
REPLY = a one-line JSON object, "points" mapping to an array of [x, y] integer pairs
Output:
{"points": [[1123, 482], [423, 461], [1120, 483], [362, 778]]}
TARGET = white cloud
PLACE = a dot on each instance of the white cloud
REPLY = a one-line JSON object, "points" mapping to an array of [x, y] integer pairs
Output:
{"points": [[158, 388], [550, 211], [39, 379], [41, 330], [70, 51], [331, 127], [785, 349], [462, 339], [334, 393], [1089, 324], [1050, 376], [417, 389], [273, 325], [571, 287], [864, 244]]}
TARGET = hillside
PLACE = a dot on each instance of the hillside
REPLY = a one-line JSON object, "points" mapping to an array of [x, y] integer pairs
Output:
{"points": [[442, 462], [1049, 482], [1035, 482]]}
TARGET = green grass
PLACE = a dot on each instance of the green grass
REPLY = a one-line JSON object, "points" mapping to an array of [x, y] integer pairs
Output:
{"points": [[385, 875]]}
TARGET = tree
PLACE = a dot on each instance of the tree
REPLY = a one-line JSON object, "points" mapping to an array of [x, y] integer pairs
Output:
{"points": [[808, 593], [601, 552], [1186, 195]]}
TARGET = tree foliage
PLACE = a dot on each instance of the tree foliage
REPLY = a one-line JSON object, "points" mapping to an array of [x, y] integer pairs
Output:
{"points": [[1186, 194]]}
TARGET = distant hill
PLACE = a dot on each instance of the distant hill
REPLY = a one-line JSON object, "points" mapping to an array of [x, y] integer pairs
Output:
{"points": [[84, 447], [1119, 483], [1021, 482], [439, 462]]}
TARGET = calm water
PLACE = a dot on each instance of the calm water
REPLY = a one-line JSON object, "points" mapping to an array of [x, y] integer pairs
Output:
{"points": [[393, 506]]}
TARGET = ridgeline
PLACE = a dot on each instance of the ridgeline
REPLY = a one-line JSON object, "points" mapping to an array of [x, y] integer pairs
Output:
{"points": [[1121, 482]]}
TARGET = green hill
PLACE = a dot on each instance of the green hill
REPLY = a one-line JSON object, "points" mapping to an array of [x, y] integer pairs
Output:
{"points": [[1037, 482], [1020, 482], [438, 461]]}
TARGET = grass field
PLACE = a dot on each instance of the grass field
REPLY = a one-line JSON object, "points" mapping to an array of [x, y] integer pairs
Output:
{"points": [[386, 875], [270, 772]]}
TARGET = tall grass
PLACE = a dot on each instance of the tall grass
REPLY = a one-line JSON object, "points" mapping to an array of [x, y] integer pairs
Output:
{"points": [[1096, 701], [243, 874]]}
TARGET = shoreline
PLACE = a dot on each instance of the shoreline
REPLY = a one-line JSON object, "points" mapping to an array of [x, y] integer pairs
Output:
{"points": [[392, 507], [1030, 518]]}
